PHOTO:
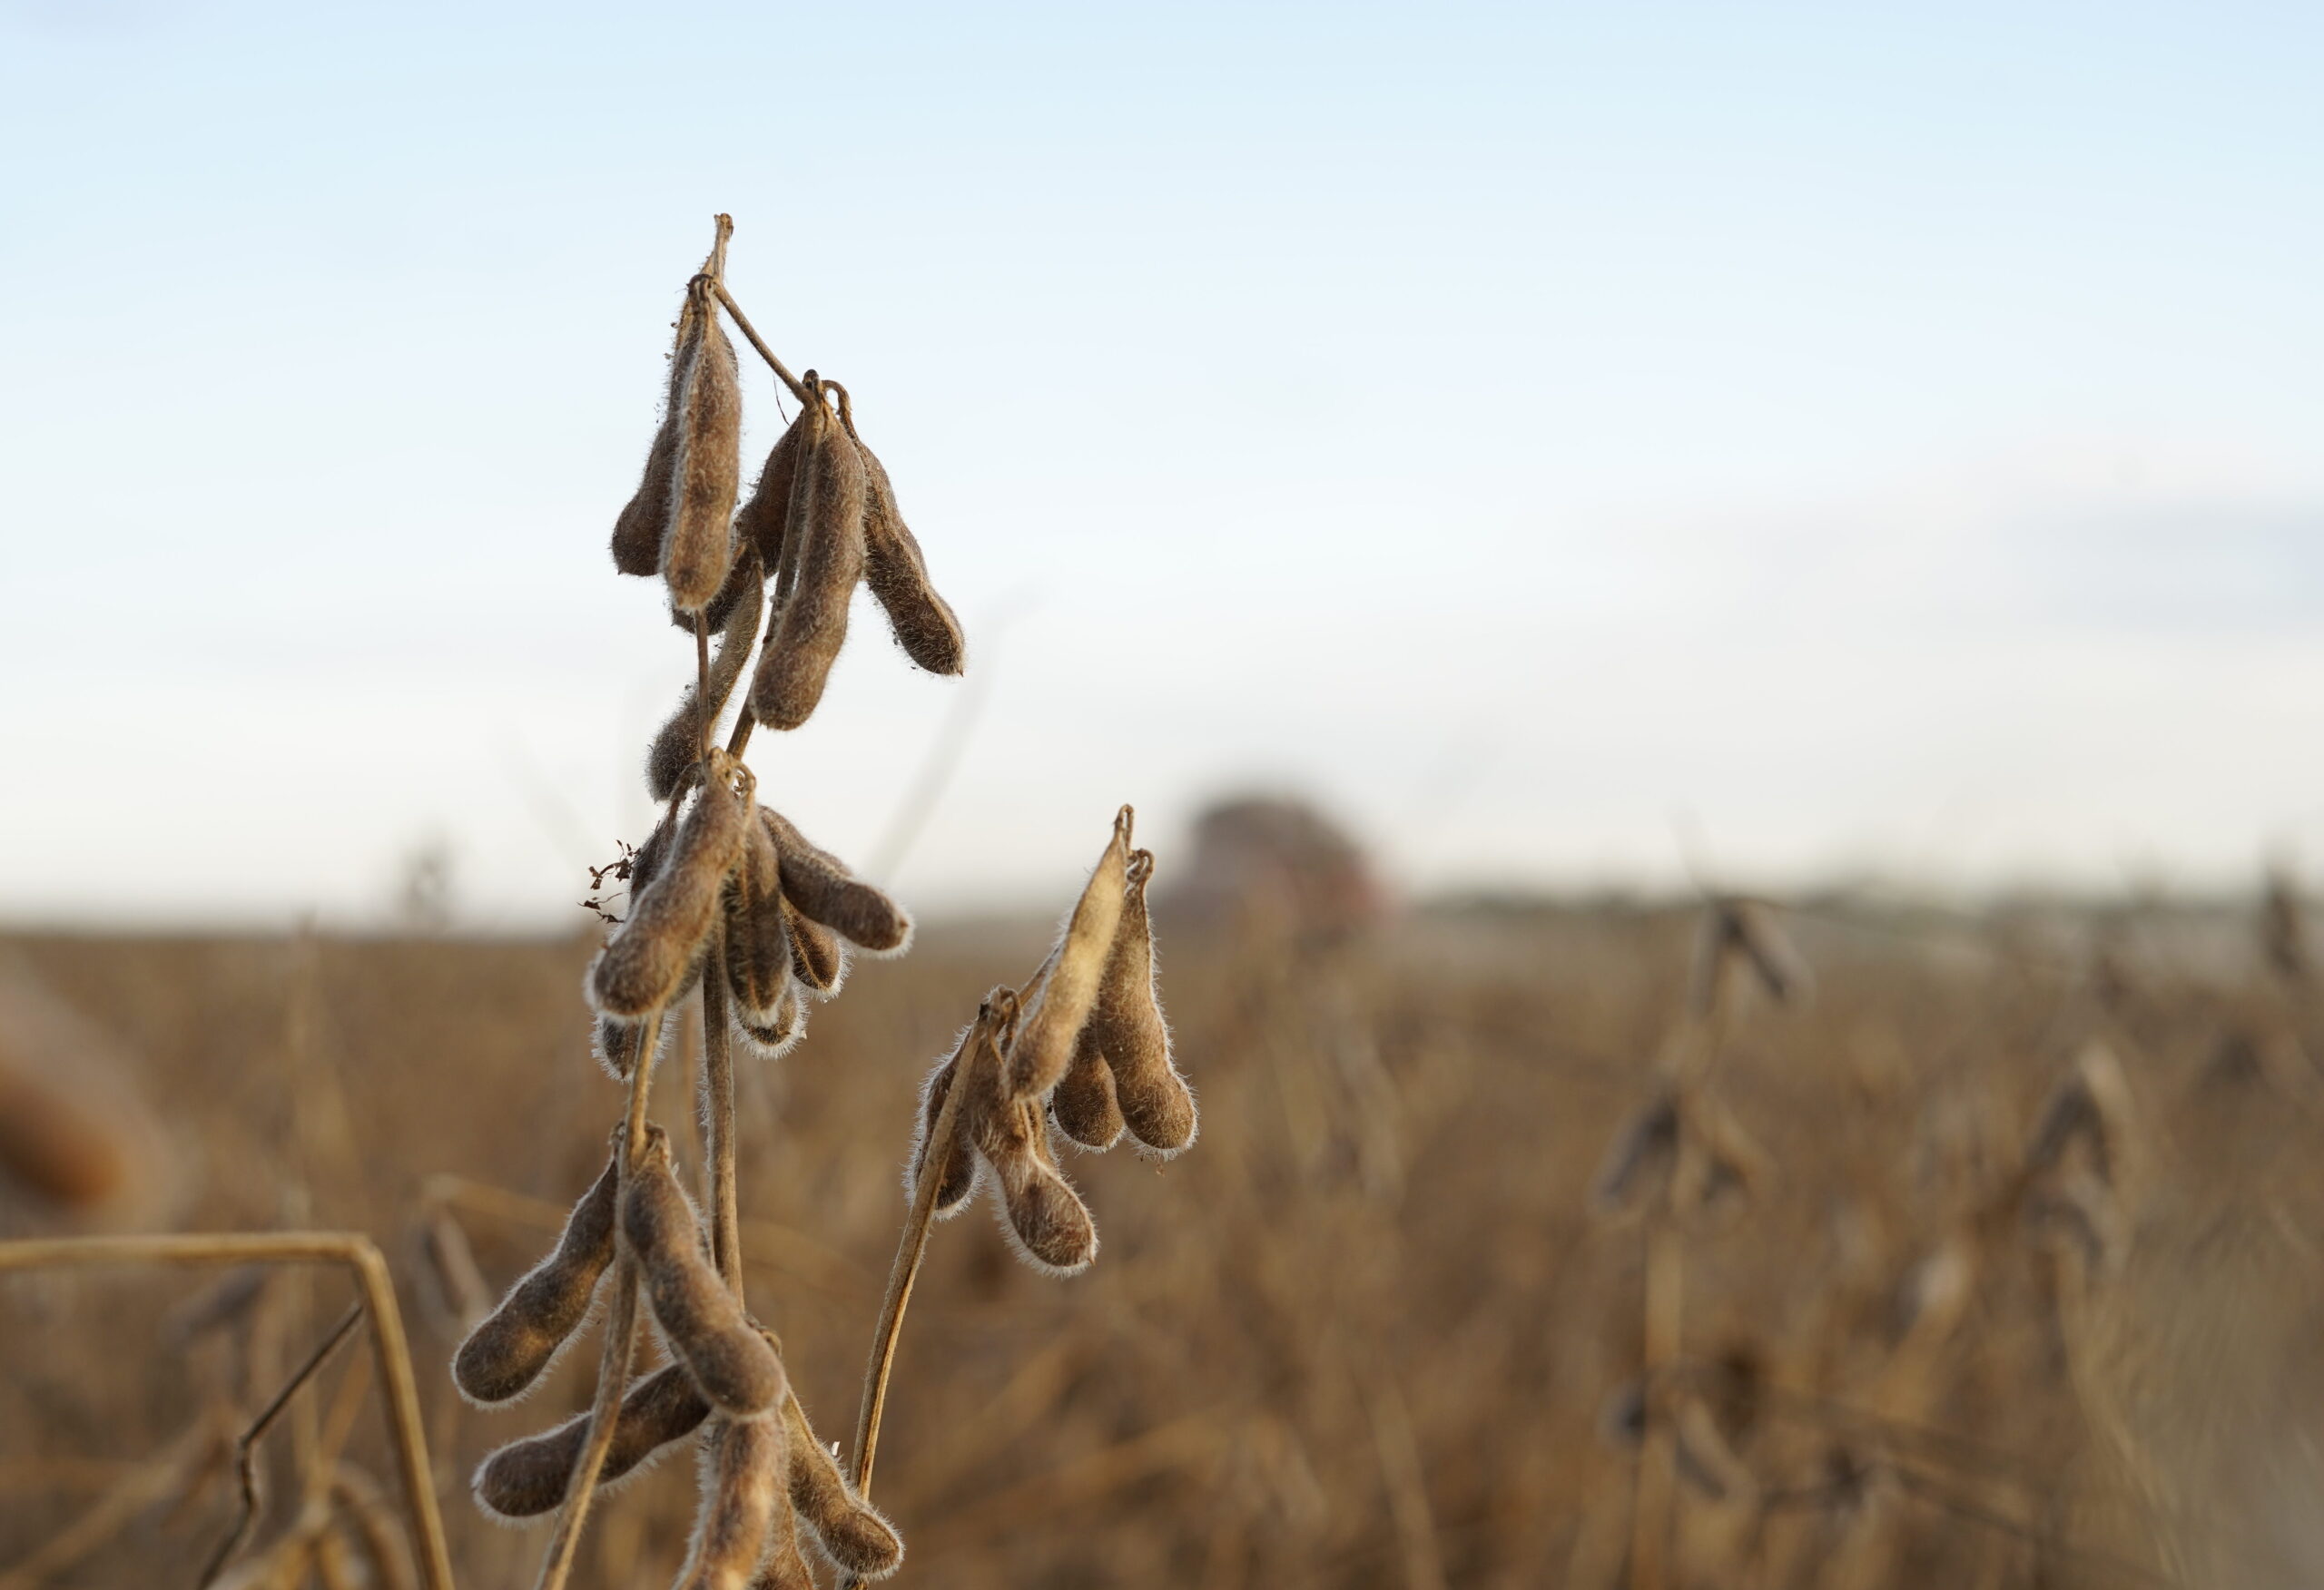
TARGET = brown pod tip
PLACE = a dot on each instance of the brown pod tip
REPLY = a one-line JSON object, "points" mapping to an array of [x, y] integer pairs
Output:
{"points": [[897, 572], [1041, 1214], [822, 889], [701, 1321], [775, 1038], [1044, 1046], [1084, 1105], [818, 955], [1127, 1026], [850, 1531], [527, 1479], [509, 1350]]}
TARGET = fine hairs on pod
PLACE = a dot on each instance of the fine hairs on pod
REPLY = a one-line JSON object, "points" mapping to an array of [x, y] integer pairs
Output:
{"points": [[1041, 1213], [822, 888], [507, 1352], [706, 464], [638, 529], [743, 1476], [1068, 989], [613, 1041], [762, 519], [854, 1535], [648, 958], [960, 1170], [1127, 1036], [823, 560], [896, 570], [701, 1320], [777, 1036], [818, 955], [527, 1479], [758, 942], [677, 751]]}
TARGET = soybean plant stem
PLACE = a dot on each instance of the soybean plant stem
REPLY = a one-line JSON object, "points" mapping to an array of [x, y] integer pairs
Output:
{"points": [[621, 1332]]}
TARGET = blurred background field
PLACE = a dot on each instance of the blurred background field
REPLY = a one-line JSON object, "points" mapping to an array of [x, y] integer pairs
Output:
{"points": [[1371, 1329]]}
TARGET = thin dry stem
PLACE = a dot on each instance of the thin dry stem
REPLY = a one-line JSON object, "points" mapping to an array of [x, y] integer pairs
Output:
{"points": [[246, 1448], [942, 1143], [621, 1333], [751, 336], [389, 1348]]}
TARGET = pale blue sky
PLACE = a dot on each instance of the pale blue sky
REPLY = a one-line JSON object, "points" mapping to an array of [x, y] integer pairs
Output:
{"points": [[1889, 437]]}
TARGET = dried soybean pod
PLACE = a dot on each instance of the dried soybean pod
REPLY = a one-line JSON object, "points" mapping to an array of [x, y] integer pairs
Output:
{"points": [[758, 943], [507, 1353], [896, 571], [677, 747], [761, 520], [785, 1567], [960, 1170], [774, 1038], [701, 1320], [649, 959], [1041, 1213], [614, 1042], [818, 959], [854, 1537], [638, 530], [819, 885], [527, 1479], [1044, 1046], [1126, 1026], [1084, 1105], [743, 1472], [823, 560], [706, 465]]}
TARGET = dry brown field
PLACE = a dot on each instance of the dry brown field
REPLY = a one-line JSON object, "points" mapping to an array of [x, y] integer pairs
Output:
{"points": [[1373, 1330]]}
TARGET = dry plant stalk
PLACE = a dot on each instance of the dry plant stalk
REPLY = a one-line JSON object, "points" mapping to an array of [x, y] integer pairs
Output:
{"points": [[390, 1351], [728, 897], [986, 1109]]}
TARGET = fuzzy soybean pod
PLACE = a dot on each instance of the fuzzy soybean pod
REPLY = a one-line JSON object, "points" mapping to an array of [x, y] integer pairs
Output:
{"points": [[819, 885], [818, 957], [701, 1321], [779, 1034], [1126, 1034], [762, 519], [527, 1479], [960, 1170], [785, 1567], [647, 961], [639, 529], [742, 1475], [854, 1535], [706, 466], [1042, 1215], [1049, 1225], [897, 572], [677, 747], [507, 1353], [1044, 1046], [823, 560], [758, 941]]}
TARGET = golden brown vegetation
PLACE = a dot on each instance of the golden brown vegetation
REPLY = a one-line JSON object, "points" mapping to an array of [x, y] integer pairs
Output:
{"points": [[1997, 1260]]}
